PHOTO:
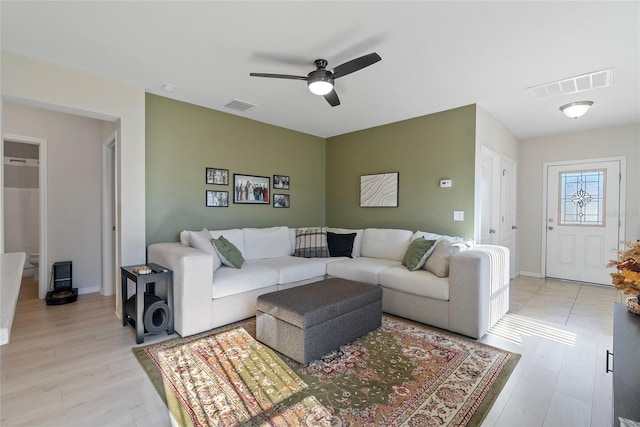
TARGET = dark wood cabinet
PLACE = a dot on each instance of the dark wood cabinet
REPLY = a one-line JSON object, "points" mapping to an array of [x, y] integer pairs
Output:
{"points": [[626, 365]]}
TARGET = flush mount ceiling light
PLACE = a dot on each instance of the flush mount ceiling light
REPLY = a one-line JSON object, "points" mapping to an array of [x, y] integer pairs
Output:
{"points": [[576, 109], [169, 87]]}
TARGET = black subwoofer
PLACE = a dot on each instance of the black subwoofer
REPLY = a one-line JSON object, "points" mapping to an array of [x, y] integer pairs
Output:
{"points": [[157, 315]]}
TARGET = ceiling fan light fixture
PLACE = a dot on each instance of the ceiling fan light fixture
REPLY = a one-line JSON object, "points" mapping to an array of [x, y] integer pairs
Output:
{"points": [[574, 110], [320, 82], [320, 87]]}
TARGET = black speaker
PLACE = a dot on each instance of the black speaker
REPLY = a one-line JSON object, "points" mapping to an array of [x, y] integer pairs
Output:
{"points": [[63, 291]]}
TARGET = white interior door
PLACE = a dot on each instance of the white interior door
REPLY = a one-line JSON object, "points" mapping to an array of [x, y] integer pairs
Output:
{"points": [[490, 197], [508, 225], [582, 220]]}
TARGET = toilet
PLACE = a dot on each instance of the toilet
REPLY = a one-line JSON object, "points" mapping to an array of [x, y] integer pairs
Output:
{"points": [[34, 259]]}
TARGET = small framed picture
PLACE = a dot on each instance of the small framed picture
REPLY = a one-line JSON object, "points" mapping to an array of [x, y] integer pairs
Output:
{"points": [[281, 200], [251, 189], [217, 199], [281, 182], [217, 176]]}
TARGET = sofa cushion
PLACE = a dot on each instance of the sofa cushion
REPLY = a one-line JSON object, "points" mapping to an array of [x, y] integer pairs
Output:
{"points": [[202, 240], [357, 242], [385, 243], [438, 262], [233, 235], [417, 253], [311, 242], [294, 269], [228, 253], [361, 269], [229, 281], [340, 244], [262, 243], [185, 238], [427, 235], [420, 282]]}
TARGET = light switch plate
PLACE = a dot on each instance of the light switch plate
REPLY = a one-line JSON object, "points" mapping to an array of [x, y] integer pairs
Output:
{"points": [[445, 183], [458, 215]]}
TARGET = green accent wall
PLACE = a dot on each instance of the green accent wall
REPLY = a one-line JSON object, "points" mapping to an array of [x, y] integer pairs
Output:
{"points": [[183, 139], [423, 150]]}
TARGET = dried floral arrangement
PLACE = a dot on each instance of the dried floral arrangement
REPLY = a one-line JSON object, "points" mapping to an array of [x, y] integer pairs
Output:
{"points": [[627, 279]]}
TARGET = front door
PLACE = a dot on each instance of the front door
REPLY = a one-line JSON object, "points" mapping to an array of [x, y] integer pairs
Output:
{"points": [[582, 220]]}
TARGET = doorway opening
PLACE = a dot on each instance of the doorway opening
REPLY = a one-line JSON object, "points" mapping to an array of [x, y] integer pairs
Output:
{"points": [[18, 207]]}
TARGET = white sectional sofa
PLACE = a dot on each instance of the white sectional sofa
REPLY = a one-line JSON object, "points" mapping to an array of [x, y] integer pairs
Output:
{"points": [[473, 296]]}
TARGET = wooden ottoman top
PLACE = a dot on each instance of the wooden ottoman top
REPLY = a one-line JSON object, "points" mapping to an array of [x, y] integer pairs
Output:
{"points": [[309, 305]]}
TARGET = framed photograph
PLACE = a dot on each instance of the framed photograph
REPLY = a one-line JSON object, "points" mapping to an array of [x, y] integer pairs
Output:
{"points": [[379, 190], [280, 182], [251, 189], [281, 200], [217, 199], [217, 176]]}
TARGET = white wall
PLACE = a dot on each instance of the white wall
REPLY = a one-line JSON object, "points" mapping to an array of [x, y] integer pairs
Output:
{"points": [[53, 86], [606, 142], [74, 185], [492, 134]]}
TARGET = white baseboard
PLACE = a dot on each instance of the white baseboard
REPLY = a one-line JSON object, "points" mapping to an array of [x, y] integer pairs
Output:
{"points": [[88, 290], [530, 274]]}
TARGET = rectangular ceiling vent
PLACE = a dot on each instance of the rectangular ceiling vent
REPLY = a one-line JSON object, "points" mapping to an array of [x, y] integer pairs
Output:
{"points": [[239, 105], [581, 83]]}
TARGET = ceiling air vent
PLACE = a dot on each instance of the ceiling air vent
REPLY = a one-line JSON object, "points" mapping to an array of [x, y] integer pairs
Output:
{"points": [[581, 83], [239, 105]]}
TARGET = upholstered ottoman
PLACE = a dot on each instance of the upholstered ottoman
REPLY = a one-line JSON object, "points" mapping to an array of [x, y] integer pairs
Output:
{"points": [[309, 321]]}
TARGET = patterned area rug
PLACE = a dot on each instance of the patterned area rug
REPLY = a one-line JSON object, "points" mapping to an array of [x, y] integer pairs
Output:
{"points": [[403, 374]]}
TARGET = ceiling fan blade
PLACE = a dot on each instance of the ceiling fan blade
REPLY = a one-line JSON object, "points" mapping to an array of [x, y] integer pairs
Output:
{"points": [[278, 76], [332, 98], [355, 65]]}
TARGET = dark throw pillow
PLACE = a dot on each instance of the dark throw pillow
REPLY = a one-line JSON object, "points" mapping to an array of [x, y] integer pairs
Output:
{"points": [[340, 244]]}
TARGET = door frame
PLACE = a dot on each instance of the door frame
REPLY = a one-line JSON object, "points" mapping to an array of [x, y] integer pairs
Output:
{"points": [[109, 214], [43, 268], [622, 197]]}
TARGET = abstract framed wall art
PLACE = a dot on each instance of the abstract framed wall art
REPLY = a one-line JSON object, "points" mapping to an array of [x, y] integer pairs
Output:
{"points": [[379, 190]]}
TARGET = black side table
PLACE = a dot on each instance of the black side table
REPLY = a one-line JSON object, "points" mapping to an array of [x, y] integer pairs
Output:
{"points": [[145, 283]]}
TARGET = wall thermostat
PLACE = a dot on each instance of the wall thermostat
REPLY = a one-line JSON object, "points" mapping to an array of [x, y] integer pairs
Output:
{"points": [[445, 183]]}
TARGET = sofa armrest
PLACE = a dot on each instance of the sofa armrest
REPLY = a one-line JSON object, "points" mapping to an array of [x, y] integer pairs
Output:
{"points": [[192, 284], [478, 289]]}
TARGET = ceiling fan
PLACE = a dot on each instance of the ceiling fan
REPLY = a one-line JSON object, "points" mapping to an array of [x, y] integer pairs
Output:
{"points": [[320, 81]]}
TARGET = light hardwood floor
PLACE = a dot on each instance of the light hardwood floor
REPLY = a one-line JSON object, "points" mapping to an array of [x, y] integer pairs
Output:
{"points": [[72, 365]]}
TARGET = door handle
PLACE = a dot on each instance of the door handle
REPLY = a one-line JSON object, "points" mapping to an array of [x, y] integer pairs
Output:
{"points": [[550, 227], [513, 227], [491, 231], [607, 368]]}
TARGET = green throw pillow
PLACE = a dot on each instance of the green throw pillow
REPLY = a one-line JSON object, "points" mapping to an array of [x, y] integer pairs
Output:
{"points": [[417, 253], [228, 253]]}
